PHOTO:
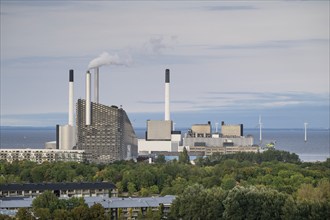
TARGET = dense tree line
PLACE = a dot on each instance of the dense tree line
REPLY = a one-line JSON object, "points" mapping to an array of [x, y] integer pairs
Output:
{"points": [[173, 177], [271, 174], [252, 202]]}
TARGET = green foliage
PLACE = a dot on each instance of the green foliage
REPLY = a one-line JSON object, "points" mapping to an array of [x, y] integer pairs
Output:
{"points": [[45, 200], [247, 203], [42, 213], [80, 213], [228, 182], [61, 214], [131, 188], [24, 214], [306, 185], [5, 217], [198, 203], [184, 157], [160, 159], [97, 212]]}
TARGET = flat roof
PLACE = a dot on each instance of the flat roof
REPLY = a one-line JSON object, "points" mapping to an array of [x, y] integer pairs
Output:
{"points": [[115, 202], [56, 186]]}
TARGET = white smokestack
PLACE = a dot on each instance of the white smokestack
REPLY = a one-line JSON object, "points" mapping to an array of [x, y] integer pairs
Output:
{"points": [[71, 101], [96, 85], [88, 98], [167, 95]]}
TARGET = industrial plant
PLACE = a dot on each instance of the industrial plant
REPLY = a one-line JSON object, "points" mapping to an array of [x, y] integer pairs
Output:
{"points": [[104, 134]]}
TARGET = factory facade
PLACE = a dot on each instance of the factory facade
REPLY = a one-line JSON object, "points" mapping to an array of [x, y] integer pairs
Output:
{"points": [[110, 135], [200, 139]]}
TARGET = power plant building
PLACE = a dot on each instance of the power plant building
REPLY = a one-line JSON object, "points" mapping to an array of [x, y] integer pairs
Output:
{"points": [[160, 136], [200, 139], [110, 135]]}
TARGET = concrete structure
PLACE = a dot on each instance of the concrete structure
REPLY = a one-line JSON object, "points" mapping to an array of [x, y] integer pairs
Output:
{"points": [[158, 130], [71, 100], [201, 130], [42, 155], [66, 137], [208, 151], [160, 135], [201, 139], [66, 134], [88, 113], [50, 145], [231, 130], [84, 189], [218, 141], [109, 137]]}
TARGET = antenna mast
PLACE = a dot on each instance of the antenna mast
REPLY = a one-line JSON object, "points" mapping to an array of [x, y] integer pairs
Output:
{"points": [[260, 132], [305, 131]]}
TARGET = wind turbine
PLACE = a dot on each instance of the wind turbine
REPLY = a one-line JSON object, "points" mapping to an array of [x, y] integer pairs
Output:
{"points": [[260, 132], [305, 131]]}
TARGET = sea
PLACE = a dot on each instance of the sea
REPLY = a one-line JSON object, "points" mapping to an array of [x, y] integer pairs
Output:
{"points": [[316, 148]]}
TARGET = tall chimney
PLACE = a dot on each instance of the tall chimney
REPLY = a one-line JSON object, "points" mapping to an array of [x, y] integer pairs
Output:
{"points": [[96, 85], [167, 95], [88, 98], [71, 101]]}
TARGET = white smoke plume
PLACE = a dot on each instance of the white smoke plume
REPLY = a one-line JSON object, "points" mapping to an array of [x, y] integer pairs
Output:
{"points": [[156, 45], [107, 59]]}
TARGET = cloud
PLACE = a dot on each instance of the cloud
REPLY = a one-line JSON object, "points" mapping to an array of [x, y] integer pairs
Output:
{"points": [[272, 44], [255, 100], [231, 7], [159, 44]]}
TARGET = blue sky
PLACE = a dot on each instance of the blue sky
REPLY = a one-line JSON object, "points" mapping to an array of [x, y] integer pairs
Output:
{"points": [[229, 61]]}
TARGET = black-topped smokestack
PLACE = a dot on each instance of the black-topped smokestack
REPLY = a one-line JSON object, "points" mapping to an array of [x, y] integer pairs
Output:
{"points": [[167, 95], [71, 101], [71, 76], [167, 76]]}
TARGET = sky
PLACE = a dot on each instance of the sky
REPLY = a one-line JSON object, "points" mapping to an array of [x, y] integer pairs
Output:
{"points": [[229, 60]]}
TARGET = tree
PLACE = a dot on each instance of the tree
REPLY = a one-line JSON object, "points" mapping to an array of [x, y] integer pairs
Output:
{"points": [[120, 187], [97, 212], [5, 217], [131, 188], [46, 200], [61, 214], [160, 159], [184, 157], [24, 214], [198, 203], [80, 213], [144, 192], [154, 189], [42, 213], [246, 203], [228, 182]]}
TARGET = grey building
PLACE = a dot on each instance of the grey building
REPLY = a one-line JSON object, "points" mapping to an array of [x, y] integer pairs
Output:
{"points": [[83, 189], [109, 137]]}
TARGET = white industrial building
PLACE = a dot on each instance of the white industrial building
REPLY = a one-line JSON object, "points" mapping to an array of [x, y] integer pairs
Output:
{"points": [[160, 136]]}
